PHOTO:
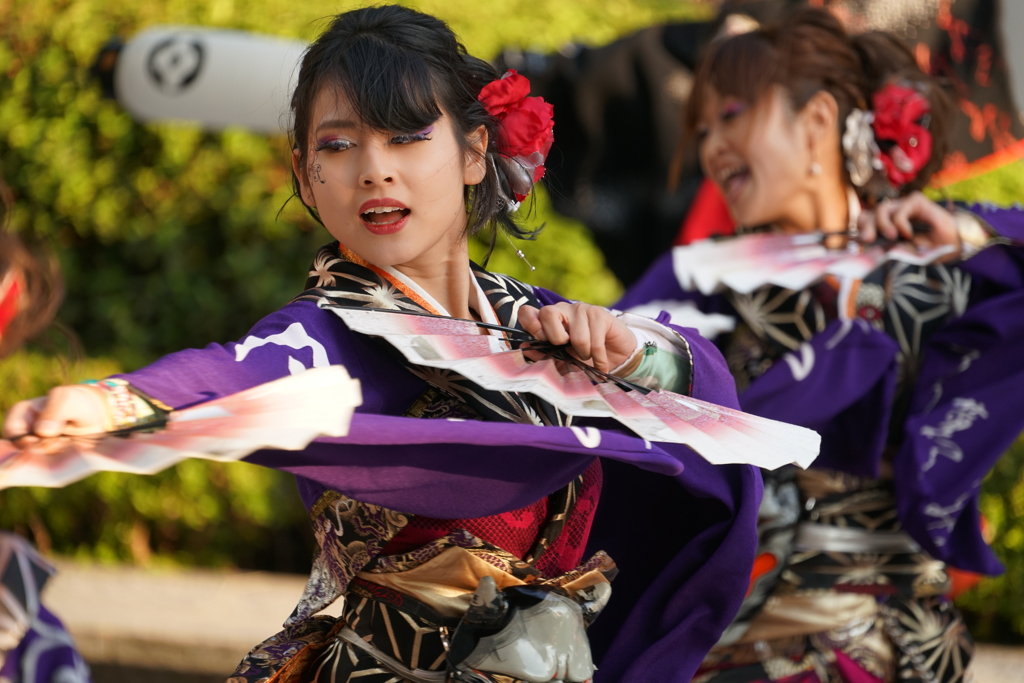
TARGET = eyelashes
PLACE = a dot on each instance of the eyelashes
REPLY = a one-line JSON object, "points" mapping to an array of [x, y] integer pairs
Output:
{"points": [[727, 114], [733, 110], [333, 144], [340, 144], [405, 138]]}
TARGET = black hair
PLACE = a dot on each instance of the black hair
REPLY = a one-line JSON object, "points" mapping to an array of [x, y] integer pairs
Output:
{"points": [[399, 69]]}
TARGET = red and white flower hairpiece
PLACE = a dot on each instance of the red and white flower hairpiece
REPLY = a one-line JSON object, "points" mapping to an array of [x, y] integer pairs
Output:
{"points": [[526, 135], [901, 118], [899, 121]]}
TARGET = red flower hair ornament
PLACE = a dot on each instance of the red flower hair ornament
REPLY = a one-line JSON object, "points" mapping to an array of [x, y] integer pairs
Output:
{"points": [[526, 131], [901, 119]]}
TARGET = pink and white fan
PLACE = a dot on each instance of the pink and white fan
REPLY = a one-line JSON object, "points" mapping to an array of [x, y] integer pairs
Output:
{"points": [[721, 435], [745, 263], [284, 414]]}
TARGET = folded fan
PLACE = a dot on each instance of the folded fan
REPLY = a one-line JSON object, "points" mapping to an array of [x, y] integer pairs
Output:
{"points": [[284, 414], [745, 263], [721, 435]]}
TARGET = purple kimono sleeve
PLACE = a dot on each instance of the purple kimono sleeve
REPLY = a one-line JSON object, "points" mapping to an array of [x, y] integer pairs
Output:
{"points": [[1007, 221], [998, 269], [294, 338], [685, 553], [965, 414], [841, 384]]}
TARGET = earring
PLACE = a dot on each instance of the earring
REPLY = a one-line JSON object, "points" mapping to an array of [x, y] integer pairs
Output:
{"points": [[815, 168], [519, 253]]}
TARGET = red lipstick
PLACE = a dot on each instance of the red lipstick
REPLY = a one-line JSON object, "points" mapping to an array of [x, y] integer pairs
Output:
{"points": [[384, 216]]}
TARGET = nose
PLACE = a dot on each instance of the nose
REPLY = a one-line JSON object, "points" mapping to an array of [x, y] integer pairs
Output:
{"points": [[377, 167]]}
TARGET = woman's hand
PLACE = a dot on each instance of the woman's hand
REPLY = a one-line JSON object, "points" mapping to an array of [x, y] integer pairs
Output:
{"points": [[892, 219], [74, 410], [595, 335]]}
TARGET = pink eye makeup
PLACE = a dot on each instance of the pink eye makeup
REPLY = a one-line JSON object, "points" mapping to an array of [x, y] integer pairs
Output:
{"points": [[334, 144], [732, 110], [405, 138]]}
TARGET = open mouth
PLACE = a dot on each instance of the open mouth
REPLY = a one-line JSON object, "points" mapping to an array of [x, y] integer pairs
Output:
{"points": [[733, 181], [384, 215]]}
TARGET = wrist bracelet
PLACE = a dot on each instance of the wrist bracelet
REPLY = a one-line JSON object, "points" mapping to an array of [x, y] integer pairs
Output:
{"points": [[127, 406]]}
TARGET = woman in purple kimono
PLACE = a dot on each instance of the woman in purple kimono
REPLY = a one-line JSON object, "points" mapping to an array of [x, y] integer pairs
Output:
{"points": [[907, 371], [404, 146]]}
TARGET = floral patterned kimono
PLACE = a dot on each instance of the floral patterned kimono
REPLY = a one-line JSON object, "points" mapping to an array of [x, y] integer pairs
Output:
{"points": [[441, 482], [906, 375]]}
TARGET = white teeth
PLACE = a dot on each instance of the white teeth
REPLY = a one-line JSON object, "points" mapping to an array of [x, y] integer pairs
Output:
{"points": [[383, 209], [728, 173]]}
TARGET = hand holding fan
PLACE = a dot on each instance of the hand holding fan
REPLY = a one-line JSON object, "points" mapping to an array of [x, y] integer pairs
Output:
{"points": [[721, 435], [286, 414]]}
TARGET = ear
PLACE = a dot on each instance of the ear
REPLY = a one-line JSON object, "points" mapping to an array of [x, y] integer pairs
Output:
{"points": [[821, 119], [305, 191], [476, 159]]}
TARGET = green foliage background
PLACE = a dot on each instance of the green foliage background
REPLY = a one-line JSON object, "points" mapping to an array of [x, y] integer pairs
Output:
{"points": [[172, 237]]}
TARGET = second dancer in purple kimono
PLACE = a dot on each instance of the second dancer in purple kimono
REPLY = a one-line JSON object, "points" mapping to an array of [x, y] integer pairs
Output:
{"points": [[909, 372], [405, 146]]}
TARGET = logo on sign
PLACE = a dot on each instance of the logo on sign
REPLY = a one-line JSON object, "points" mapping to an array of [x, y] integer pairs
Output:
{"points": [[175, 63]]}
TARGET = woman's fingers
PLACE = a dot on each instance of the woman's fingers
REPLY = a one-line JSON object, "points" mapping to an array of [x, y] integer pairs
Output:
{"points": [[545, 324], [59, 413], [594, 335], [21, 418], [883, 220], [901, 213], [939, 224], [550, 323], [579, 334], [896, 219], [867, 232], [555, 322], [600, 322], [529, 319], [70, 410]]}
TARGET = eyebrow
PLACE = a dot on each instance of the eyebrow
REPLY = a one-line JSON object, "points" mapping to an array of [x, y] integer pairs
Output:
{"points": [[347, 124]]}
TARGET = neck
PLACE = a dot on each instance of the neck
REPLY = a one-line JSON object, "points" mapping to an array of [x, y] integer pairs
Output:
{"points": [[447, 280], [825, 207]]}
